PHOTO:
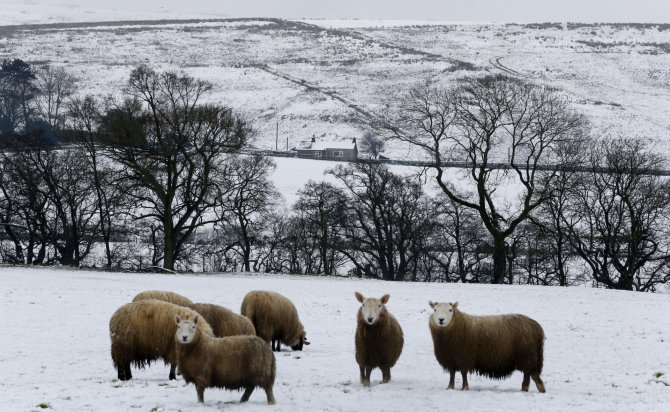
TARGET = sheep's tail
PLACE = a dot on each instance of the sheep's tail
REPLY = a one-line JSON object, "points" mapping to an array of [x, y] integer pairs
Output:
{"points": [[540, 351]]}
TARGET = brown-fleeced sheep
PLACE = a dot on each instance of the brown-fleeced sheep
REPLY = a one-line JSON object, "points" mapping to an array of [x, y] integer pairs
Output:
{"points": [[224, 322], [275, 318], [234, 362], [492, 346], [379, 338], [165, 296], [143, 331]]}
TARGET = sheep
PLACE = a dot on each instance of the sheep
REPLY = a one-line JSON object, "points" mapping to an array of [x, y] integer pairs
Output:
{"points": [[275, 318], [164, 296], [223, 321], [233, 362], [493, 346], [379, 338], [143, 331]]}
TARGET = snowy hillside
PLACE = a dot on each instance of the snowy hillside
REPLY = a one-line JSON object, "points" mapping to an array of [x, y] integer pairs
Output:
{"points": [[605, 350], [330, 79]]}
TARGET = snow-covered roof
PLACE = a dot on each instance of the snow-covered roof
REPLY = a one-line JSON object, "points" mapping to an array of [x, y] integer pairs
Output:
{"points": [[326, 144]]}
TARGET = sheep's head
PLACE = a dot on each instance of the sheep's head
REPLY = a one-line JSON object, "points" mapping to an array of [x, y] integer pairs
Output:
{"points": [[372, 307], [443, 312], [301, 342], [186, 329]]}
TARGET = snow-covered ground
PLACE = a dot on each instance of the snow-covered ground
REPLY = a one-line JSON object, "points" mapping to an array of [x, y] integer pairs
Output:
{"points": [[328, 78], [605, 350]]}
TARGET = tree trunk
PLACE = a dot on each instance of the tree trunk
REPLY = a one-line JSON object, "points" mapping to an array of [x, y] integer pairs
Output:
{"points": [[169, 239], [499, 261]]}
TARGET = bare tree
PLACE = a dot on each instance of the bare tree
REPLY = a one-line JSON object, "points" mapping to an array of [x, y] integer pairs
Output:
{"points": [[483, 121], [552, 219], [458, 248], [372, 144], [85, 115], [55, 86], [620, 217], [17, 96], [170, 146], [245, 196], [321, 208], [388, 217]]}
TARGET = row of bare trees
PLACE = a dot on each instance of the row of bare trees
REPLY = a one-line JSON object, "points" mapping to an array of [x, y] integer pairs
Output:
{"points": [[153, 179]]}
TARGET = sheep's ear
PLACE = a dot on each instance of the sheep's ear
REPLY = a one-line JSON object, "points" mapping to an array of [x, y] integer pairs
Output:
{"points": [[432, 304], [385, 298], [359, 297], [177, 319], [454, 305], [195, 319]]}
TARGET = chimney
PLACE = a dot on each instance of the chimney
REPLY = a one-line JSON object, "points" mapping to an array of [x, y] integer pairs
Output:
{"points": [[313, 139], [353, 140]]}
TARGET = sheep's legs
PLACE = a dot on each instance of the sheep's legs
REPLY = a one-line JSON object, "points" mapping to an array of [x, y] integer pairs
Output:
{"points": [[247, 394], [278, 347], [201, 393], [270, 395], [124, 373], [465, 386], [173, 366], [538, 383], [526, 382], [452, 378], [366, 378], [362, 368], [386, 374]]}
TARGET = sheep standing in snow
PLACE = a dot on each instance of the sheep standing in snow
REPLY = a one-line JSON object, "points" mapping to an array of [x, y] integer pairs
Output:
{"points": [[493, 346], [143, 331], [165, 296], [379, 338], [224, 322], [275, 318], [234, 362]]}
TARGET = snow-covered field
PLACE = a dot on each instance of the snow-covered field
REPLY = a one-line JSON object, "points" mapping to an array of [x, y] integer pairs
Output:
{"points": [[605, 350]]}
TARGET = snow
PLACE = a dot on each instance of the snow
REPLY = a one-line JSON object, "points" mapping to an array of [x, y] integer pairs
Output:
{"points": [[319, 77], [605, 350]]}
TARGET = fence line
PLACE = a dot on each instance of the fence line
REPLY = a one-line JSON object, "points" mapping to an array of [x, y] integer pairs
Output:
{"points": [[457, 165]]}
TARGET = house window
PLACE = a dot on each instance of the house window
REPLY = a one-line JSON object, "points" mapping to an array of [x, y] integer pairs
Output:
{"points": [[338, 154], [317, 154]]}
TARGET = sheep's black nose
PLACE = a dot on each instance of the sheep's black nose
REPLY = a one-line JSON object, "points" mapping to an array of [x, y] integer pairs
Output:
{"points": [[370, 319], [441, 320]]}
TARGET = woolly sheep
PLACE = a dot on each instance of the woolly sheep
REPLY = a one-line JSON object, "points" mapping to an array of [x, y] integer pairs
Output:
{"points": [[164, 296], [234, 362], [493, 346], [379, 338], [224, 322], [275, 318], [143, 331]]}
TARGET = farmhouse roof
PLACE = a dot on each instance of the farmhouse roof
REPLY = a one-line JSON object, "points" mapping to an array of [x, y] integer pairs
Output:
{"points": [[325, 144]]}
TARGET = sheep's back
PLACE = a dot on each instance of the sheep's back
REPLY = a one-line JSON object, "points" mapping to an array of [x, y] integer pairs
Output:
{"points": [[165, 296], [224, 322], [274, 316]]}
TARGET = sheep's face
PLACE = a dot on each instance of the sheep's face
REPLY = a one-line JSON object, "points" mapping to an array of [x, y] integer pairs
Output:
{"points": [[443, 312], [371, 308], [186, 329], [301, 342]]}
